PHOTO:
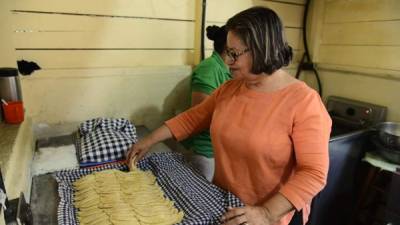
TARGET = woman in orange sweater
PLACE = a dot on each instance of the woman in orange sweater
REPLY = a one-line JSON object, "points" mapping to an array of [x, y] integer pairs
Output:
{"points": [[270, 132]]}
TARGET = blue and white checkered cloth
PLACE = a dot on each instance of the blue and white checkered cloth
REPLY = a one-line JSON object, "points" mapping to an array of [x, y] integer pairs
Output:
{"points": [[103, 140], [202, 202]]}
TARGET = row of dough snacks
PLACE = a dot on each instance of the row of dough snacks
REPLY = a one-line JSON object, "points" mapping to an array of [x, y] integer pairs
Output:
{"points": [[113, 197]]}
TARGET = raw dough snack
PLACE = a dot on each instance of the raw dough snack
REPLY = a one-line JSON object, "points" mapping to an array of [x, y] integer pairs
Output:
{"points": [[112, 197]]}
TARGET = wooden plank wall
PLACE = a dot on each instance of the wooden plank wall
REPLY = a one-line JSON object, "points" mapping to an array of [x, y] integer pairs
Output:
{"points": [[362, 35], [110, 58], [126, 33], [7, 52], [92, 54], [104, 33], [359, 52]]}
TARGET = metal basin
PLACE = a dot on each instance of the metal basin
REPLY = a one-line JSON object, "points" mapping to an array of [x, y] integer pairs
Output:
{"points": [[387, 153], [389, 134]]}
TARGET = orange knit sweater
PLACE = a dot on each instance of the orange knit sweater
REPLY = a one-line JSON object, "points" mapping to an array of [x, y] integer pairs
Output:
{"points": [[264, 143]]}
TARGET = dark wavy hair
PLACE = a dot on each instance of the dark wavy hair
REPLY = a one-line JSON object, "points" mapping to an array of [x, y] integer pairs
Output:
{"points": [[218, 36], [261, 30]]}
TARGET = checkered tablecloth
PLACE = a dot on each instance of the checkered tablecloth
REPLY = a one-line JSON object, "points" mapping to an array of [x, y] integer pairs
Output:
{"points": [[201, 201], [104, 140]]}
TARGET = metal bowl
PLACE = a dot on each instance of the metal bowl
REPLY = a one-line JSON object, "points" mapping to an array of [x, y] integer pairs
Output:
{"points": [[389, 134], [387, 153]]}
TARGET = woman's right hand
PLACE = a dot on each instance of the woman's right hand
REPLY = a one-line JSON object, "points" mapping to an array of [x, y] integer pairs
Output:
{"points": [[138, 150]]}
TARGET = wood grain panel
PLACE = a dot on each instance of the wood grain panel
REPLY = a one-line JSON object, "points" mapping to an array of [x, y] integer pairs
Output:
{"points": [[61, 31], [222, 10], [299, 2], [297, 54], [146, 96], [361, 71], [374, 57], [58, 59], [338, 11], [364, 88], [296, 57], [293, 35], [57, 22], [173, 9], [295, 38], [362, 33]]}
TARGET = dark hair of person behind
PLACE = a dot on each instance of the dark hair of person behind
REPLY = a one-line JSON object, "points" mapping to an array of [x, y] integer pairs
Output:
{"points": [[261, 30], [218, 36]]}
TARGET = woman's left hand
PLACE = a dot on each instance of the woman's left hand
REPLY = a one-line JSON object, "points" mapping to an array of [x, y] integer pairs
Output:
{"points": [[248, 215]]}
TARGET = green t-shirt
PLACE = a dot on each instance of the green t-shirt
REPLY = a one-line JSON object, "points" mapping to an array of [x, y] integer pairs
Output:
{"points": [[206, 77]]}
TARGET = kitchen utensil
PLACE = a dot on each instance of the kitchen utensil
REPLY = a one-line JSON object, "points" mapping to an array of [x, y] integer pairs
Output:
{"points": [[387, 153], [389, 134], [4, 102], [10, 87], [13, 112]]}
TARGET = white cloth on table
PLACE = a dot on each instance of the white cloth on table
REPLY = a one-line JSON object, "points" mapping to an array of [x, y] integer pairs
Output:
{"points": [[51, 159]]}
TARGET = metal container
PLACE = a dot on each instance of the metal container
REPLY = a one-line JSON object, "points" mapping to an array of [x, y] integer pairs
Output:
{"points": [[389, 134], [10, 87], [387, 153]]}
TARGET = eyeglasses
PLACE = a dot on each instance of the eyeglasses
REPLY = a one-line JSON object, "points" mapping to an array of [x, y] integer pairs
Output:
{"points": [[235, 55]]}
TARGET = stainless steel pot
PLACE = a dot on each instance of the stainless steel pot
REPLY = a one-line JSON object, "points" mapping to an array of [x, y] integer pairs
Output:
{"points": [[389, 134], [10, 89], [387, 153]]}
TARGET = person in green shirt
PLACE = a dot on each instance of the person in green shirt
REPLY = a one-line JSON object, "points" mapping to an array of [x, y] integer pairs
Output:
{"points": [[206, 77]]}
